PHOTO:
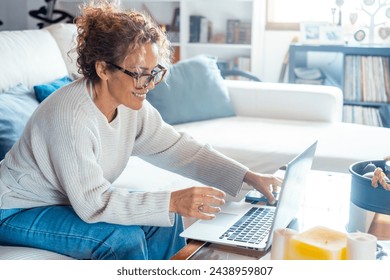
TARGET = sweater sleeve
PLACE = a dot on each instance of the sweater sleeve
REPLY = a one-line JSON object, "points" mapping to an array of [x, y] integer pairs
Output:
{"points": [[160, 144]]}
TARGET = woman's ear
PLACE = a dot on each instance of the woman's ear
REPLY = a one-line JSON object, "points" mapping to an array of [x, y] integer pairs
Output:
{"points": [[101, 70]]}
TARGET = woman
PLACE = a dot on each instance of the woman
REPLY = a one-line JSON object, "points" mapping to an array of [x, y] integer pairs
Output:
{"points": [[55, 183]]}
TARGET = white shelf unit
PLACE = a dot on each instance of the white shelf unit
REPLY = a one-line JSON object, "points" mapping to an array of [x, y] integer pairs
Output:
{"points": [[217, 12]]}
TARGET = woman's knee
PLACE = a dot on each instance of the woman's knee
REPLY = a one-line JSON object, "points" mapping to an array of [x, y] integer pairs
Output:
{"points": [[122, 242]]}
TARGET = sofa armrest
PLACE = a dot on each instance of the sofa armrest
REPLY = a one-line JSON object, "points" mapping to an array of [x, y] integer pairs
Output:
{"points": [[286, 101]]}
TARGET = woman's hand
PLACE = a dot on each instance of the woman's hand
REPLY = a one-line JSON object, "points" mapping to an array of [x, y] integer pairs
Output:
{"points": [[263, 183], [197, 202]]}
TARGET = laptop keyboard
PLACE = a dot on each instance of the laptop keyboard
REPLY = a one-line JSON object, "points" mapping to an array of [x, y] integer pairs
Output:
{"points": [[252, 228]]}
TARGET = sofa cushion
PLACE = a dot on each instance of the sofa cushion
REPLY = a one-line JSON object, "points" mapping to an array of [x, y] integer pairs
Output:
{"points": [[26, 253], [29, 57], [44, 90], [17, 105], [193, 91]]}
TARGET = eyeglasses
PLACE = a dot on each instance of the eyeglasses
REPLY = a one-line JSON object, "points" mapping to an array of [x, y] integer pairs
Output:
{"points": [[143, 80]]}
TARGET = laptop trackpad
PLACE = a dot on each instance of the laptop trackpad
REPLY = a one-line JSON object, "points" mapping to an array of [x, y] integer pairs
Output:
{"points": [[222, 219]]}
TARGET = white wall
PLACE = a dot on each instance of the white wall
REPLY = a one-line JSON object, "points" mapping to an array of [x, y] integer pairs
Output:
{"points": [[33, 5], [10, 14], [276, 44], [14, 14]]}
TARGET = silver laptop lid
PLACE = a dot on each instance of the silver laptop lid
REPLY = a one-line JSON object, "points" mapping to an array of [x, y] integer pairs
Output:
{"points": [[292, 190], [290, 198]]}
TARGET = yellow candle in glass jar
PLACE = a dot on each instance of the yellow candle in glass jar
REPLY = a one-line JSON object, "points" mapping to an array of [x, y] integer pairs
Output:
{"points": [[318, 243]]}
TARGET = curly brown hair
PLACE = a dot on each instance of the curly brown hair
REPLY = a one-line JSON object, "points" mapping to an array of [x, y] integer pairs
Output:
{"points": [[107, 33]]}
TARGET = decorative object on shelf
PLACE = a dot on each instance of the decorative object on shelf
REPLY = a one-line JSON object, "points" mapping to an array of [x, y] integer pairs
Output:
{"points": [[219, 38], [339, 4], [333, 15], [384, 32], [331, 35], [321, 33], [353, 17], [310, 32], [372, 15], [359, 35]]}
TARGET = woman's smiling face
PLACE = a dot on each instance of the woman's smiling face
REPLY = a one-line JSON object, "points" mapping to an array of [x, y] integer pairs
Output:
{"points": [[126, 90]]}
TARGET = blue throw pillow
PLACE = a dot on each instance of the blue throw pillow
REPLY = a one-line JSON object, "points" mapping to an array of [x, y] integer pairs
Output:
{"points": [[16, 107], [193, 91], [44, 90]]}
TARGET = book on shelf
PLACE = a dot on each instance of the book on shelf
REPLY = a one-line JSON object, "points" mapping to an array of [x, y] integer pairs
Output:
{"points": [[238, 32], [384, 112], [195, 25], [204, 30], [200, 29], [244, 33], [367, 78], [231, 30], [386, 67], [362, 115]]}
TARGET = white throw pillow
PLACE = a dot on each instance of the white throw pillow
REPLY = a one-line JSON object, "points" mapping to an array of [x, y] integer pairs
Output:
{"points": [[65, 35], [29, 57]]}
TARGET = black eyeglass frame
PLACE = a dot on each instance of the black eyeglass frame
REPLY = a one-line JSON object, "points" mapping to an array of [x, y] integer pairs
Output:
{"points": [[137, 76]]}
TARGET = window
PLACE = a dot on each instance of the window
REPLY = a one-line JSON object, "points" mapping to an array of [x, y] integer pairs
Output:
{"points": [[287, 14]]}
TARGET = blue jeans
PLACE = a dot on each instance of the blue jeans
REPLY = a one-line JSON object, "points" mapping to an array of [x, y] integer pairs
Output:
{"points": [[59, 229]]}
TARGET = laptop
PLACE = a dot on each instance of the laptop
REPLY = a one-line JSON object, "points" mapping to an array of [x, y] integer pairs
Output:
{"points": [[251, 226]]}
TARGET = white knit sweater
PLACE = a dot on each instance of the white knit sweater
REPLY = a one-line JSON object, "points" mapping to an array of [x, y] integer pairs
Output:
{"points": [[69, 155]]}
